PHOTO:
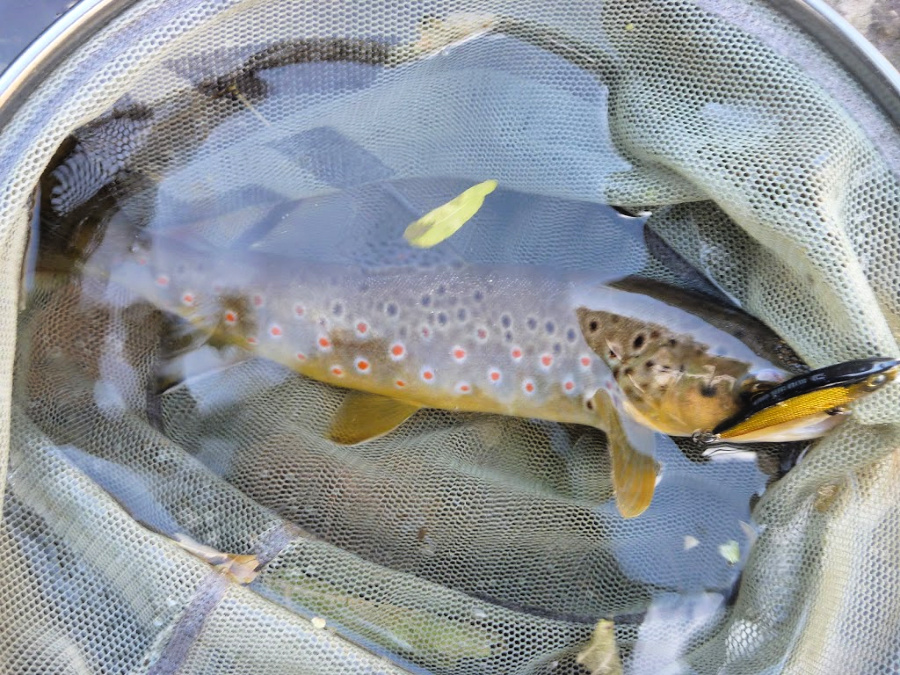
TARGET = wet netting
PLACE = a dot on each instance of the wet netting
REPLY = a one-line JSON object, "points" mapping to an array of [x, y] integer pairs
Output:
{"points": [[174, 506]]}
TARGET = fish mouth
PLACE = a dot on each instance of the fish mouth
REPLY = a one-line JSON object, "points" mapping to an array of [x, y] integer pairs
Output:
{"points": [[800, 405]]}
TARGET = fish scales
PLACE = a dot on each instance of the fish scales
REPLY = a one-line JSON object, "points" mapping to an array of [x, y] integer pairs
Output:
{"points": [[454, 337]]}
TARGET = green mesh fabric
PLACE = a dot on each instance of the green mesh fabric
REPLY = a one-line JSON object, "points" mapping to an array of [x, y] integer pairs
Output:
{"points": [[460, 543]]}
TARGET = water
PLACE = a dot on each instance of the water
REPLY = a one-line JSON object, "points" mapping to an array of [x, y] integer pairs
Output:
{"points": [[513, 515]]}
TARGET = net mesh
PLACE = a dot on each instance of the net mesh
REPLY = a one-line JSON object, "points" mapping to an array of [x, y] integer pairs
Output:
{"points": [[462, 543]]}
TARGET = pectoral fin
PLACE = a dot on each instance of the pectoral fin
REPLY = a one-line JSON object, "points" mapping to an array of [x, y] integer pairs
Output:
{"points": [[631, 446], [363, 416]]}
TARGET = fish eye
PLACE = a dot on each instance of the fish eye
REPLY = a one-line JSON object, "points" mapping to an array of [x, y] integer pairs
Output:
{"points": [[876, 381]]}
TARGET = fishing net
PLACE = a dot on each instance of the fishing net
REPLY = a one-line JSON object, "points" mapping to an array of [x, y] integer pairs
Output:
{"points": [[210, 527]]}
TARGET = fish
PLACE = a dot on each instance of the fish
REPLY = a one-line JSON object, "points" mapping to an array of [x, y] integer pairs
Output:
{"points": [[631, 358]]}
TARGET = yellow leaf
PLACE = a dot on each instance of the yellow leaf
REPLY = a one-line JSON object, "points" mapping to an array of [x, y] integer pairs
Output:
{"points": [[436, 226]]}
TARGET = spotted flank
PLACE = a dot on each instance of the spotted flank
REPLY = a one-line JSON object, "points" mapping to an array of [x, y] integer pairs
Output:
{"points": [[512, 341]]}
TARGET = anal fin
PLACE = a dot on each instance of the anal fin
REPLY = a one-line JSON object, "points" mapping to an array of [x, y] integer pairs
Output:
{"points": [[364, 416], [634, 470]]}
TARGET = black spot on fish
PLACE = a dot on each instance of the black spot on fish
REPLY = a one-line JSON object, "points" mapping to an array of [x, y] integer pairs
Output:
{"points": [[532, 323], [557, 348], [611, 355], [550, 327], [649, 364], [571, 335], [441, 289], [337, 309], [708, 390], [508, 336], [638, 341], [673, 342], [615, 372], [629, 371], [391, 309], [593, 326], [426, 300], [654, 335], [442, 319], [589, 404], [681, 368], [478, 296], [462, 314], [505, 321]]}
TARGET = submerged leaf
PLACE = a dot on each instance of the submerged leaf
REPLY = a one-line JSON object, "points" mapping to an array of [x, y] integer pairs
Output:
{"points": [[601, 656], [439, 224]]}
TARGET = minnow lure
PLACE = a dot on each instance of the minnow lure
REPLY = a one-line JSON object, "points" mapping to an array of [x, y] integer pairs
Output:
{"points": [[813, 397], [509, 340]]}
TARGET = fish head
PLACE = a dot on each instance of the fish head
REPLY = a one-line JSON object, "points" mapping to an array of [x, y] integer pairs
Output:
{"points": [[670, 382]]}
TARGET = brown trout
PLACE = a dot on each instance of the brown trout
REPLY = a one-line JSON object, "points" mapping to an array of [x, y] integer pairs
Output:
{"points": [[509, 340]]}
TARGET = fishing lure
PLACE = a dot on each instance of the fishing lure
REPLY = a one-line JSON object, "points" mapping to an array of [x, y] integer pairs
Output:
{"points": [[794, 409]]}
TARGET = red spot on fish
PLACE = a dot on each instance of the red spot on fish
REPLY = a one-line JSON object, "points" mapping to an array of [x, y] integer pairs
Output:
{"points": [[494, 375], [162, 280], [568, 385], [463, 388], [546, 360], [482, 334], [188, 299], [586, 361], [299, 310], [397, 351], [362, 365], [337, 370], [459, 353], [400, 384], [516, 353], [258, 300], [427, 374], [252, 340], [426, 333], [362, 327], [231, 317], [275, 331], [528, 386], [324, 344], [301, 356]]}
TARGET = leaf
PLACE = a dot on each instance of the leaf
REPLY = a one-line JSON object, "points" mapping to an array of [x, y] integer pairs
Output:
{"points": [[601, 656], [439, 224]]}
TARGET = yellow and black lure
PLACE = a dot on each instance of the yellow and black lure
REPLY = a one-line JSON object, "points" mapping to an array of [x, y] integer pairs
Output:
{"points": [[797, 408]]}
